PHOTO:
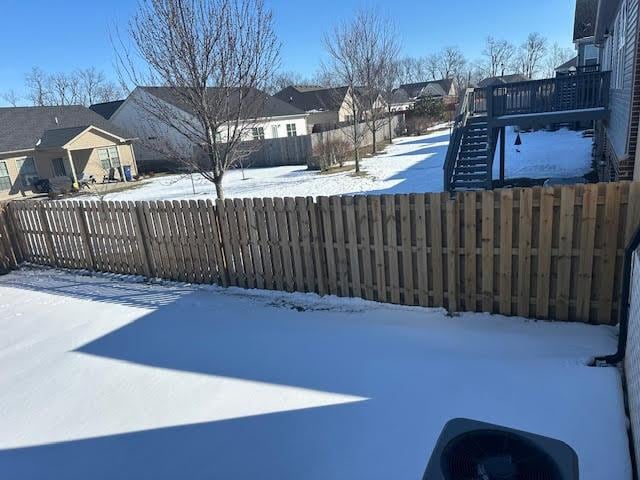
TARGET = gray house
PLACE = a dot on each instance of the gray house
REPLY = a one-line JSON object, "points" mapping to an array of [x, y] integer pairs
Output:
{"points": [[616, 34], [584, 27]]}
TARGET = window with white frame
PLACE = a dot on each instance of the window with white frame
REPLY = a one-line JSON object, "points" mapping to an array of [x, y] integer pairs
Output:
{"points": [[109, 157], [591, 54], [5, 181], [258, 133], [27, 171], [291, 130], [618, 46]]}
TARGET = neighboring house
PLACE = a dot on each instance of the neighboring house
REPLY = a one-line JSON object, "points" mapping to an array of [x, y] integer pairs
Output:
{"points": [[584, 35], [616, 33], [567, 67], [328, 107], [106, 109], [277, 119], [46, 142], [405, 96], [502, 80]]}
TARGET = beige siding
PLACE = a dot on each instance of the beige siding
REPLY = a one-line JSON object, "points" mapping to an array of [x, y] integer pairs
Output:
{"points": [[92, 139]]}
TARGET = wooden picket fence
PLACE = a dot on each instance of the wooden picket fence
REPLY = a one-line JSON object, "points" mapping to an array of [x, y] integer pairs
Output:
{"points": [[549, 253]]}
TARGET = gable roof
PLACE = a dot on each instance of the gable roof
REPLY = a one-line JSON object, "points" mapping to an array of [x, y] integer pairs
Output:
{"points": [[490, 81], [437, 88], [313, 98], [272, 107], [106, 109], [584, 24], [22, 127], [567, 65]]}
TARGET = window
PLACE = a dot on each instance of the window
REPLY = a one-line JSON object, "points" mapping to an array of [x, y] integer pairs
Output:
{"points": [[618, 47], [5, 181], [274, 131], [591, 54], [258, 133], [291, 130], [27, 171], [58, 167], [109, 157]]}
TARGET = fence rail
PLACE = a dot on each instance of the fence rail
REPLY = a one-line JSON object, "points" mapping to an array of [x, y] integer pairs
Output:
{"points": [[541, 253]]}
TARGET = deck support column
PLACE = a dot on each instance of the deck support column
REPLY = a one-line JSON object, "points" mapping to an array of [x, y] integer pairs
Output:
{"points": [[502, 152]]}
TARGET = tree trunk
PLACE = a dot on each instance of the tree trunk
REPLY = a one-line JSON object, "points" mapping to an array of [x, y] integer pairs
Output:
{"points": [[355, 144], [219, 190], [390, 128], [373, 134]]}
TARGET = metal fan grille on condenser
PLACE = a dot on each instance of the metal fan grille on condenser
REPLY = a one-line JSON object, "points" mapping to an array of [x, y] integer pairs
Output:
{"points": [[471, 450]]}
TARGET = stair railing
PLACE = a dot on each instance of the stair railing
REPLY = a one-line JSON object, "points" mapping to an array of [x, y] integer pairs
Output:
{"points": [[467, 106]]}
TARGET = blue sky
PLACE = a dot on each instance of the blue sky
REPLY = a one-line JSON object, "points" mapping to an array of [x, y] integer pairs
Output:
{"points": [[69, 34]]}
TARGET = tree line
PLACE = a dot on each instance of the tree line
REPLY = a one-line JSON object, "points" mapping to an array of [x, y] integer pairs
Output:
{"points": [[84, 86]]}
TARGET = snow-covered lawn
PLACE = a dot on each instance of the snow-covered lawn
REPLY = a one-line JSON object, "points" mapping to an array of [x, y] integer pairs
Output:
{"points": [[411, 164], [102, 378]]}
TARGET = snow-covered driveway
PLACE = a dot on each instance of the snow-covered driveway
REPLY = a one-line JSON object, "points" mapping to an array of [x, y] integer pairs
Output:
{"points": [[410, 165], [102, 379]]}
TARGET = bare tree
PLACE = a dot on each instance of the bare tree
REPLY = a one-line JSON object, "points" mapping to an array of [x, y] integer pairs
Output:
{"points": [[38, 88], [531, 53], [91, 81], [284, 79], [64, 89], [377, 48], [411, 70], [556, 56], [389, 82], [451, 62], [497, 55], [432, 66], [213, 56], [10, 97]]}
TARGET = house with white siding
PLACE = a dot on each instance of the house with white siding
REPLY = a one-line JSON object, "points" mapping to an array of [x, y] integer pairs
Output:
{"points": [[161, 144]]}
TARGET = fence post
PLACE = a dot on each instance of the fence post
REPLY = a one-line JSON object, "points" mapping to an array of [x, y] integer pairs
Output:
{"points": [[12, 235], [48, 237], [453, 226], [142, 235], [84, 233]]}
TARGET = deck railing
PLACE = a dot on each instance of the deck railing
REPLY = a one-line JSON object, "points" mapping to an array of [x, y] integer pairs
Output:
{"points": [[571, 92], [466, 109]]}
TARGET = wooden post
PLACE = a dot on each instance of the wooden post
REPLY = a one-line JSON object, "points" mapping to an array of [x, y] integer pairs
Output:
{"points": [[142, 237], [503, 141], [47, 234], [76, 185], [84, 232], [12, 231]]}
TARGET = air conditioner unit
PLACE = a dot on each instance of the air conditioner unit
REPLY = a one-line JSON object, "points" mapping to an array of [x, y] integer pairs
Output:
{"points": [[472, 450]]}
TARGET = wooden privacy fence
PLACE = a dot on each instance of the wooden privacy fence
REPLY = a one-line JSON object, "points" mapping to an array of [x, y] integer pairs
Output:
{"points": [[542, 253], [8, 260]]}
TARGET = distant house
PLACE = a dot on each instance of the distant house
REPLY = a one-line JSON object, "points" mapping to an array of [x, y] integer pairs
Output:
{"points": [[106, 109], [567, 67], [70, 141], [616, 35], [328, 106], [502, 80], [161, 144], [405, 96]]}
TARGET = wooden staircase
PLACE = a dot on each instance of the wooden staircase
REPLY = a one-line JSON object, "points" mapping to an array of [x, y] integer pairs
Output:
{"points": [[484, 112], [472, 166]]}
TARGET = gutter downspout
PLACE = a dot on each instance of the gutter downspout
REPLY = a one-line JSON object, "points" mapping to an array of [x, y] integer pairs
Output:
{"points": [[623, 315]]}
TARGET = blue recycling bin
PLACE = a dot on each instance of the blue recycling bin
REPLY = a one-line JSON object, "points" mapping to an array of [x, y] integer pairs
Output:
{"points": [[127, 173]]}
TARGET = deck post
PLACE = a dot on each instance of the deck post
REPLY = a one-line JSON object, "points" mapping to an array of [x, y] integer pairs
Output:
{"points": [[502, 152]]}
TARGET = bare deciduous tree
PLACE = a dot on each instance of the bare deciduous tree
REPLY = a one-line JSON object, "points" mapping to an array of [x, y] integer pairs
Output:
{"points": [[10, 97], [497, 55], [556, 56], [37, 82], [531, 53], [284, 79], [214, 57], [378, 49]]}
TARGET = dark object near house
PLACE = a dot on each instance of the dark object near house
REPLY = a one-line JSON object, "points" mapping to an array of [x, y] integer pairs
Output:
{"points": [[472, 450], [518, 140]]}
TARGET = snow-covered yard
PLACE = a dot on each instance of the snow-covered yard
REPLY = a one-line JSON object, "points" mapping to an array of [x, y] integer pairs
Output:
{"points": [[106, 378], [412, 164]]}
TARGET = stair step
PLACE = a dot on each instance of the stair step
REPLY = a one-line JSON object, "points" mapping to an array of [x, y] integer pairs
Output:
{"points": [[469, 185], [473, 153], [467, 162], [470, 177], [470, 168]]}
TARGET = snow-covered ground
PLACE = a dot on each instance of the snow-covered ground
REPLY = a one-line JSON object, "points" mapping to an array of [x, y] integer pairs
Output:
{"points": [[102, 378], [561, 154], [411, 164]]}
